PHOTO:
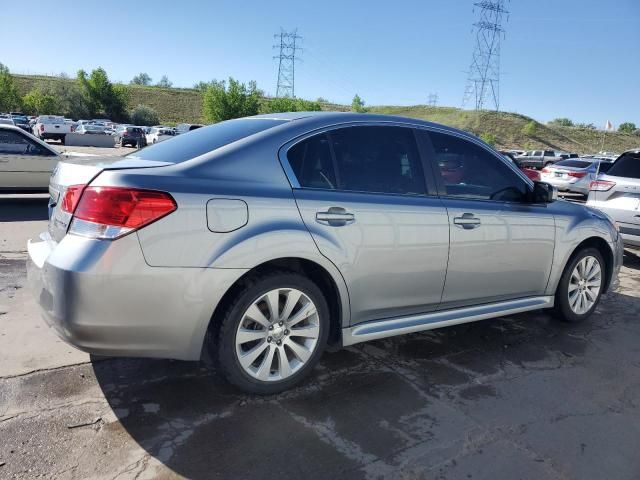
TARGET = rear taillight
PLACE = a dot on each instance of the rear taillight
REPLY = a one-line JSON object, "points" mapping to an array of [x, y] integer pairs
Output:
{"points": [[577, 174], [111, 212], [72, 197], [601, 185]]}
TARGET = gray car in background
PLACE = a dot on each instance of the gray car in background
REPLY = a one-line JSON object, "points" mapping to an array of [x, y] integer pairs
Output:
{"points": [[617, 193], [263, 239], [574, 175]]}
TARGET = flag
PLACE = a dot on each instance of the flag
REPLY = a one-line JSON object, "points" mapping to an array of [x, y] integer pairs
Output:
{"points": [[608, 126]]}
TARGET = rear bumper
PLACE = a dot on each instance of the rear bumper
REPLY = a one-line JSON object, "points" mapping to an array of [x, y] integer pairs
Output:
{"points": [[102, 297]]}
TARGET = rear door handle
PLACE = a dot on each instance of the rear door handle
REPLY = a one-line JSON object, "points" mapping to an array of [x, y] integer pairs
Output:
{"points": [[335, 217], [467, 221]]}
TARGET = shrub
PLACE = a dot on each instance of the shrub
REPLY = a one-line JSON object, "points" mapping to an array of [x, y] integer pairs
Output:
{"points": [[357, 105], [9, 96], [563, 122], [224, 101], [143, 115], [38, 103], [530, 129], [285, 104], [489, 138], [627, 127]]}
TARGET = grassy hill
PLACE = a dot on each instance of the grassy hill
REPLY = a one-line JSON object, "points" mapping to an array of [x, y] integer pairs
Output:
{"points": [[176, 105]]}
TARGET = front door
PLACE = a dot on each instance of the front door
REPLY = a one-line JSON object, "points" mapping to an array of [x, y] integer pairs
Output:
{"points": [[501, 246], [23, 162], [362, 196]]}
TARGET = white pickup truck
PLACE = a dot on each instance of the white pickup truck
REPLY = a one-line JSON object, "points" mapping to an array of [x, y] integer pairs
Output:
{"points": [[51, 127]]}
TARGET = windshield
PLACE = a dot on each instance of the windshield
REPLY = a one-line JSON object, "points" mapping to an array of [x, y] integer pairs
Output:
{"points": [[206, 139]]}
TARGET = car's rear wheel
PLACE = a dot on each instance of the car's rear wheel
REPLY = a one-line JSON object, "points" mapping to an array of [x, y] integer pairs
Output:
{"points": [[580, 286], [273, 333]]}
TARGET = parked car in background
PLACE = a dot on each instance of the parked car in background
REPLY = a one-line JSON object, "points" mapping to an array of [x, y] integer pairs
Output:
{"points": [[6, 120], [21, 121], [130, 135], [531, 173], [91, 129], [538, 158], [51, 127], [158, 134], [265, 238], [26, 162], [187, 127], [574, 175], [617, 193], [567, 155]]}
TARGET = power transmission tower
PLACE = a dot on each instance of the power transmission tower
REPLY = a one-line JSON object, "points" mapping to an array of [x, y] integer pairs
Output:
{"points": [[483, 83], [433, 99], [288, 46]]}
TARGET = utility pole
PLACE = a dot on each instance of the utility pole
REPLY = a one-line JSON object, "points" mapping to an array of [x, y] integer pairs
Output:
{"points": [[483, 82], [433, 100], [287, 44]]}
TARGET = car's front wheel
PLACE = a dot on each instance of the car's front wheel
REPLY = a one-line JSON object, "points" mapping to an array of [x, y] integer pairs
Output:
{"points": [[580, 286], [273, 333]]}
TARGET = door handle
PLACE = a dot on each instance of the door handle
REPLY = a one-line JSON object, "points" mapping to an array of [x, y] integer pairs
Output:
{"points": [[335, 217], [467, 221]]}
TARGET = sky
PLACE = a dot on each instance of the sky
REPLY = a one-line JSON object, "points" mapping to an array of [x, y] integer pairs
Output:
{"points": [[559, 58]]}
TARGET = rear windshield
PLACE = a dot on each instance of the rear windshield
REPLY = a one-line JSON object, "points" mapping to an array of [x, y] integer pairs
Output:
{"points": [[628, 165], [203, 140], [574, 163]]}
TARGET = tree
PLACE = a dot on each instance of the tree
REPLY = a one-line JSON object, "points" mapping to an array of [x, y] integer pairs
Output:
{"points": [[102, 96], [489, 138], [141, 79], [357, 105], [164, 82], [224, 101], [585, 126], [9, 96], [143, 115], [530, 129], [202, 86], [38, 103], [562, 122], [285, 104], [627, 127]]}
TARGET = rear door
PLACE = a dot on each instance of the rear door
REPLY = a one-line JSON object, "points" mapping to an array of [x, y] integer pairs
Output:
{"points": [[501, 247], [24, 163], [361, 193]]}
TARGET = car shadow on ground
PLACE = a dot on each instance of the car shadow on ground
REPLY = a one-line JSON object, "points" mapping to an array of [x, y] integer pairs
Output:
{"points": [[383, 407], [632, 259], [24, 208]]}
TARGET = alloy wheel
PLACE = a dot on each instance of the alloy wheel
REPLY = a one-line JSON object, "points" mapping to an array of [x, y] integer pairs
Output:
{"points": [[584, 285], [277, 335]]}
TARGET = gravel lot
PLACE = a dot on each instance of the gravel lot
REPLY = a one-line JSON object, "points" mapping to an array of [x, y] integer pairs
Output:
{"points": [[518, 397]]}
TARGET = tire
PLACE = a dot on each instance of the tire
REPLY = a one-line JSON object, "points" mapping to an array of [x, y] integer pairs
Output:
{"points": [[548, 163], [564, 308], [273, 339]]}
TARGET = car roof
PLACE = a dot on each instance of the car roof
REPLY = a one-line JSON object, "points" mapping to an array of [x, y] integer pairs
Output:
{"points": [[345, 117]]}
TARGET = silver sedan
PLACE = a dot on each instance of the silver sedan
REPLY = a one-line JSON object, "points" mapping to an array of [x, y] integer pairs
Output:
{"points": [[263, 239]]}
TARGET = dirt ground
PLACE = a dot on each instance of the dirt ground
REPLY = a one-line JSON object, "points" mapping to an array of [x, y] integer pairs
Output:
{"points": [[522, 397]]}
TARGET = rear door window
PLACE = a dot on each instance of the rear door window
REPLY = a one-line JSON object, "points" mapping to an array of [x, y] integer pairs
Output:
{"points": [[628, 165], [372, 159]]}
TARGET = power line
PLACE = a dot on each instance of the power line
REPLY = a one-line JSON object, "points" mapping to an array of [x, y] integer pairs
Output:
{"points": [[288, 47], [483, 82], [432, 100]]}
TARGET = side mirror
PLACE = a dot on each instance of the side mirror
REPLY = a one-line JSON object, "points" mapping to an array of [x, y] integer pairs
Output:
{"points": [[544, 192]]}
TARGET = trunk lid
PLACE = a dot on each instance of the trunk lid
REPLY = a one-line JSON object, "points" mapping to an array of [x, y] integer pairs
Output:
{"points": [[81, 171]]}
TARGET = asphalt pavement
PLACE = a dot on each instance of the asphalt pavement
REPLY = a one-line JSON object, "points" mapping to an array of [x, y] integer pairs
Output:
{"points": [[522, 397]]}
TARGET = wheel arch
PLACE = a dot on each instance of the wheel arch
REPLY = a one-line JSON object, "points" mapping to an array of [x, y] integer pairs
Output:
{"points": [[605, 250], [331, 284]]}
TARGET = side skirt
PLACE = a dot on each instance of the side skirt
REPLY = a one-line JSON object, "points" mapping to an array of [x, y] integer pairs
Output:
{"points": [[416, 323]]}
